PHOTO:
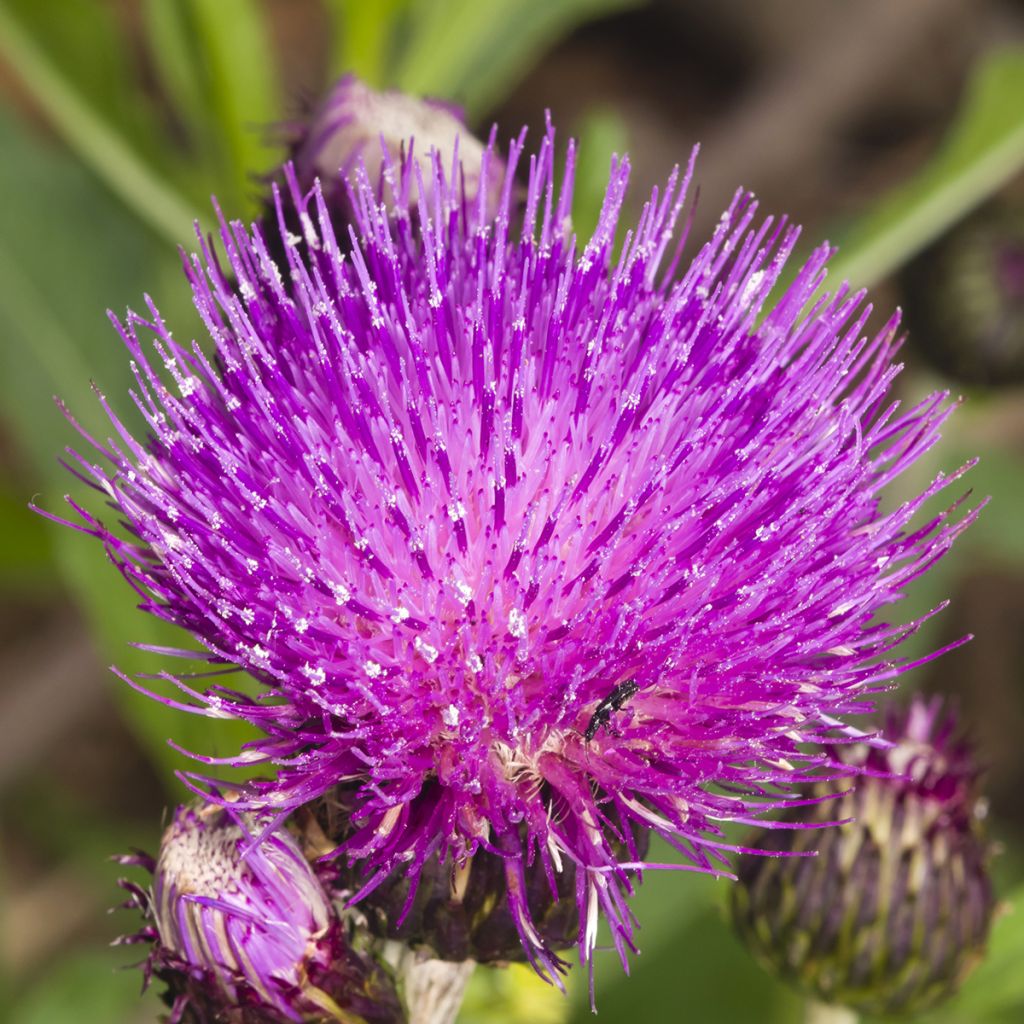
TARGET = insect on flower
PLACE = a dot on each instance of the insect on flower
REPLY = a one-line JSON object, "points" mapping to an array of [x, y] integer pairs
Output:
{"points": [[613, 702]]}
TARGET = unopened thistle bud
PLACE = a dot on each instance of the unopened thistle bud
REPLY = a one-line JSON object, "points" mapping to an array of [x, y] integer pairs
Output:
{"points": [[889, 912], [356, 124], [244, 933], [965, 297]]}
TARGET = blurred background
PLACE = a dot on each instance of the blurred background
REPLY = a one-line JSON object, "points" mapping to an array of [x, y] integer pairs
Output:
{"points": [[895, 129]]}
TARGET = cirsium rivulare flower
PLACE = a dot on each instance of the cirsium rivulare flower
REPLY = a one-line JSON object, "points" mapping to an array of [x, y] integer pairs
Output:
{"points": [[532, 544], [244, 932]]}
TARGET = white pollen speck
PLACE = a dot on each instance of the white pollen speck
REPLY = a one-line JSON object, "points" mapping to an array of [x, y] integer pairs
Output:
{"points": [[372, 669], [456, 510], [247, 615], [251, 565], [752, 286], [464, 590], [517, 624], [260, 656], [246, 289], [340, 591], [426, 651], [301, 625], [474, 663], [400, 614], [450, 716], [316, 676]]}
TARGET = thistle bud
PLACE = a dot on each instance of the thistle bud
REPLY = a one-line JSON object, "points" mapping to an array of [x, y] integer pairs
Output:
{"points": [[892, 910], [244, 933], [355, 123], [965, 297]]}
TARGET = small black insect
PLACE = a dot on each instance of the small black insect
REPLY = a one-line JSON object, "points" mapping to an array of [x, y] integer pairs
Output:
{"points": [[603, 712]]}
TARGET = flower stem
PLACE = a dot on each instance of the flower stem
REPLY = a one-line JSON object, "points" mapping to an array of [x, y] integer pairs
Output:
{"points": [[823, 1013], [433, 989]]}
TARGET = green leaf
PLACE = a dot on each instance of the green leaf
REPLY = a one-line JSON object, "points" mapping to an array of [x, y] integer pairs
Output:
{"points": [[601, 134], [87, 988], [25, 551], [99, 144], [67, 248], [365, 36], [179, 64], [243, 87], [117, 624], [91, 43], [507, 995], [983, 151], [474, 52], [690, 960]]}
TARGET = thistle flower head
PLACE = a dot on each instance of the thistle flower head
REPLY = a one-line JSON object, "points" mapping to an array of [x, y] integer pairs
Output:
{"points": [[532, 542], [246, 933], [894, 907]]}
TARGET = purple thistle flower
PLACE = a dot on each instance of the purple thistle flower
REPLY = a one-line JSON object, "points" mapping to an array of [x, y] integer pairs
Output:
{"points": [[532, 545], [245, 933]]}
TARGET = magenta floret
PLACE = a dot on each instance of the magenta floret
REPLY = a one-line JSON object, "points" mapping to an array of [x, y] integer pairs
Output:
{"points": [[447, 482]]}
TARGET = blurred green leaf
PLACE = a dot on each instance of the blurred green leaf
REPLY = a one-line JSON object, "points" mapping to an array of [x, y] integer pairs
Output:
{"points": [[508, 995], [984, 150], [601, 134], [365, 36], [87, 988], [55, 338], [178, 62], [474, 52], [242, 86], [99, 144], [997, 535], [91, 43], [25, 551], [690, 961], [111, 607]]}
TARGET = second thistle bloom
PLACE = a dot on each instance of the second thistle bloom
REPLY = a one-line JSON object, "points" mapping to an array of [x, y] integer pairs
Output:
{"points": [[533, 544], [245, 934]]}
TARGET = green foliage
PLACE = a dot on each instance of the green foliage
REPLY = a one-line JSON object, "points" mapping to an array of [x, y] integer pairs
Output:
{"points": [[462, 50], [241, 85], [56, 341], [602, 134], [983, 150], [98, 142], [88, 988]]}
